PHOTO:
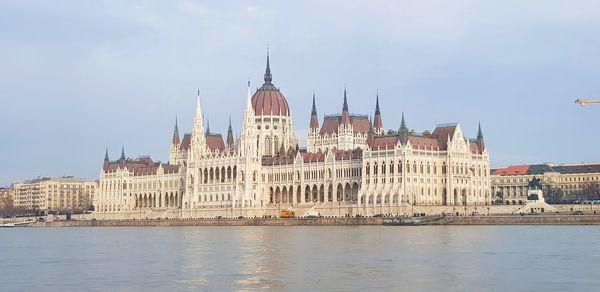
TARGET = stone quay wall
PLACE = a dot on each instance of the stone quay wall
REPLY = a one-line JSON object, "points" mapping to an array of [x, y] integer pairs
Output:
{"points": [[520, 220], [331, 221]]}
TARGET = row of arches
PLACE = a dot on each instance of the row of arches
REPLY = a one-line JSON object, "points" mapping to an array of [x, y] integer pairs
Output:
{"points": [[392, 168], [314, 194], [424, 168], [167, 200], [221, 174]]}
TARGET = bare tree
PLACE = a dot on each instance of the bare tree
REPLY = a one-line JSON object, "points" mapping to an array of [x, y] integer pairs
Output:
{"points": [[553, 195]]}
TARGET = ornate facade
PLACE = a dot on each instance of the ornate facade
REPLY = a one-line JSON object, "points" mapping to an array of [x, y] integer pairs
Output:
{"points": [[564, 183], [349, 167]]}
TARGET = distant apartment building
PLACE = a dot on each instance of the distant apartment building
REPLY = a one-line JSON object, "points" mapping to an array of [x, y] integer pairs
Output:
{"points": [[54, 194], [561, 183]]}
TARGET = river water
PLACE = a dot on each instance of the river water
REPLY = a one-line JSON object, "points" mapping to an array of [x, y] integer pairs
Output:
{"points": [[311, 258]]}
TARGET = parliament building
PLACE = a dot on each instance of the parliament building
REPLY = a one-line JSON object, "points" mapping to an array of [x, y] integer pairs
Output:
{"points": [[351, 166]]}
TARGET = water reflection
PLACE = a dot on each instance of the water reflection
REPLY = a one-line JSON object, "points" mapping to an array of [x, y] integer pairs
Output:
{"points": [[447, 258]]}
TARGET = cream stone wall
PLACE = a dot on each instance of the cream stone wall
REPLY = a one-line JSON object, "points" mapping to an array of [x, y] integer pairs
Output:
{"points": [[54, 194], [266, 172]]}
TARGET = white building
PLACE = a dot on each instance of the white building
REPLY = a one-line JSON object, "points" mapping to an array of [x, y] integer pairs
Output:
{"points": [[350, 167]]}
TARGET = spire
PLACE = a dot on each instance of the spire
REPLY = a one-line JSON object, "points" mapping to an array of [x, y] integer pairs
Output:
{"points": [[207, 127], [122, 153], [403, 127], [230, 135], [176, 134], [370, 134], [314, 106], [249, 108], [106, 155], [314, 119], [345, 114], [345, 106], [268, 76], [480, 142], [198, 108], [403, 131], [378, 124], [198, 129]]}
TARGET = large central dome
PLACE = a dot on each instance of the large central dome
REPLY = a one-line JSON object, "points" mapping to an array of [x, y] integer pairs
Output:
{"points": [[268, 100]]}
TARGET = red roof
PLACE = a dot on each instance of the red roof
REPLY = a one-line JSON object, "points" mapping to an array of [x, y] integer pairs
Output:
{"points": [[383, 142], [140, 166], [215, 142], [378, 124], [314, 121], [512, 170], [269, 101], [360, 124], [442, 133], [428, 143], [185, 144]]}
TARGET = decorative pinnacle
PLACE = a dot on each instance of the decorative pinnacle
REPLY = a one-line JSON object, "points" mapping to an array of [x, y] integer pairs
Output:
{"points": [[345, 107], [268, 76], [479, 132], [123, 152], [314, 105], [403, 127], [106, 155], [377, 111]]}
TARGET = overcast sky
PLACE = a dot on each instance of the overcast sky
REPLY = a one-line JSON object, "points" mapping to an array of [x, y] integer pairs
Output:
{"points": [[79, 76]]}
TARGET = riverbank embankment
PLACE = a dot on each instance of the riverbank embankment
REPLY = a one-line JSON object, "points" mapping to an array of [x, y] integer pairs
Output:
{"points": [[331, 221]]}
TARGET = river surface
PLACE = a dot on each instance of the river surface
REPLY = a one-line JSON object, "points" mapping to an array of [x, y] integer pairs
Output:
{"points": [[311, 258]]}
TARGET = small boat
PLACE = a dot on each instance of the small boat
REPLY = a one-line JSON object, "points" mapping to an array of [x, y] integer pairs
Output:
{"points": [[416, 220], [411, 221], [7, 225], [404, 221]]}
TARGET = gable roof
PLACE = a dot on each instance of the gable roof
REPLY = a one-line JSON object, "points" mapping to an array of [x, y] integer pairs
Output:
{"points": [[360, 124]]}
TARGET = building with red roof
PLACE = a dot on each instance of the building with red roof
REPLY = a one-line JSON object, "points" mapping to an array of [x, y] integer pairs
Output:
{"points": [[350, 166]]}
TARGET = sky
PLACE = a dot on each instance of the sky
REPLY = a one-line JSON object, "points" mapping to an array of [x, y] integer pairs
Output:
{"points": [[77, 77]]}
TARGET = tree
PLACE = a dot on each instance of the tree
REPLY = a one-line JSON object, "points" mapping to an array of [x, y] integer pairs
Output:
{"points": [[6, 205], [553, 195], [590, 191]]}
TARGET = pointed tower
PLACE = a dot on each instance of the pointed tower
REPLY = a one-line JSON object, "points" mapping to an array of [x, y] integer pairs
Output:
{"points": [[480, 142], [378, 124], [175, 155], [106, 161], [268, 76], [313, 138], [248, 141], [198, 143], [230, 136], [207, 127], [345, 113], [314, 119], [371, 135], [122, 153], [176, 141], [403, 131], [403, 127]]}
